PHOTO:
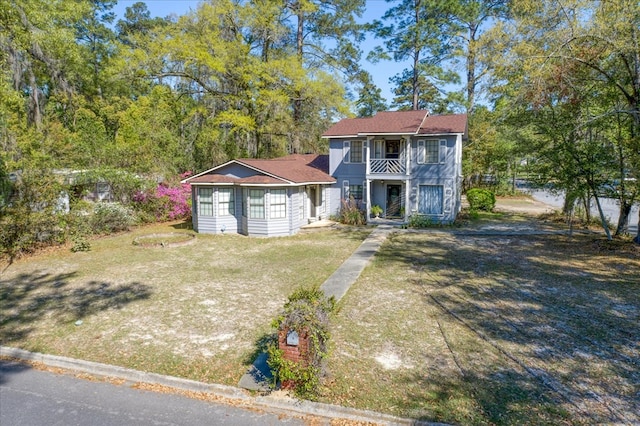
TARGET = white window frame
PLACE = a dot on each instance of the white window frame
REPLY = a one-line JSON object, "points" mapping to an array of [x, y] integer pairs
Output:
{"points": [[256, 210], [208, 203], [345, 190], [378, 149], [277, 203], [440, 155], [226, 204], [354, 149]]}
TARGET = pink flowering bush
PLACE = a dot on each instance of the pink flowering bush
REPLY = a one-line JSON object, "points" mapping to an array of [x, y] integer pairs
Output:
{"points": [[165, 202], [176, 201]]}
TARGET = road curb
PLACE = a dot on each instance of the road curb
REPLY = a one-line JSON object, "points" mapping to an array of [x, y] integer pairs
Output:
{"points": [[271, 403]]}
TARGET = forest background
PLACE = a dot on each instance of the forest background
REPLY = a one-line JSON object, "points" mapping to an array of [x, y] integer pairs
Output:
{"points": [[133, 100]]}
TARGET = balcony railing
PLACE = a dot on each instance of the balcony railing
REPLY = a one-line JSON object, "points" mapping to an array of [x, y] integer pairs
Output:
{"points": [[387, 166]]}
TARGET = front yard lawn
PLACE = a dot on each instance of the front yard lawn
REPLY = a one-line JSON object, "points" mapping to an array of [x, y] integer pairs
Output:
{"points": [[194, 311], [493, 330], [442, 326]]}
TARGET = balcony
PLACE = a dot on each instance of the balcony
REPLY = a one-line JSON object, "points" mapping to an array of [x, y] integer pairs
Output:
{"points": [[387, 166]]}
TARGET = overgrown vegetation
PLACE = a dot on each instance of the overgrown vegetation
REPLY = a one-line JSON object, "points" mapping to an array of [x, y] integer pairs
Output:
{"points": [[351, 213], [44, 209], [307, 313]]}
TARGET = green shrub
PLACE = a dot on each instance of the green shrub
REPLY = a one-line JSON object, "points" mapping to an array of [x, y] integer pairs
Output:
{"points": [[481, 199], [109, 218], [420, 221], [34, 217]]}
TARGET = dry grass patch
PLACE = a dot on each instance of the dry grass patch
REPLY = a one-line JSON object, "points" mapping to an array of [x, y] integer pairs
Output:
{"points": [[493, 330], [194, 311]]}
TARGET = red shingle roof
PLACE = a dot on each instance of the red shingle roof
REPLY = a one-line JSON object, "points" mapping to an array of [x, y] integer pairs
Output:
{"points": [[399, 122], [296, 169], [442, 124]]}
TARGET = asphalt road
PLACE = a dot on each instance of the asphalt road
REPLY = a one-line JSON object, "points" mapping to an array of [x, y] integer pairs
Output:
{"points": [[33, 397], [609, 207]]}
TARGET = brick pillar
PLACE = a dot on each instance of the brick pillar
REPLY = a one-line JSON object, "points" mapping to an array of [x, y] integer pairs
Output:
{"points": [[299, 353]]}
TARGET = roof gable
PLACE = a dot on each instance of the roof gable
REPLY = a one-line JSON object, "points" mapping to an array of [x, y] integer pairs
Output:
{"points": [[292, 169]]}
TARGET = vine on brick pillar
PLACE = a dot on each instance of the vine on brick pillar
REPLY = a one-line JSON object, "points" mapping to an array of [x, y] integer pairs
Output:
{"points": [[303, 332]]}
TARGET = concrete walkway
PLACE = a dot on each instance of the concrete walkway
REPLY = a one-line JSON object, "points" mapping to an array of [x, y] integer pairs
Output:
{"points": [[259, 376], [338, 283]]}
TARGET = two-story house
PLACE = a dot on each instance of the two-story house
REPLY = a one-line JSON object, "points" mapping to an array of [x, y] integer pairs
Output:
{"points": [[406, 162]]}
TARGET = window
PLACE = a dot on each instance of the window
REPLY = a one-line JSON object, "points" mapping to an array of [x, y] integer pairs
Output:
{"points": [[355, 191], [432, 151], [103, 191], [352, 151], [226, 202], [378, 148], [205, 201], [256, 203], [356, 151], [278, 204], [392, 149], [430, 199]]}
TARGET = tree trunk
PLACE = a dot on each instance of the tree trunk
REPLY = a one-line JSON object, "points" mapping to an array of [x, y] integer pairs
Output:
{"points": [[623, 219], [471, 68], [603, 220], [416, 62]]}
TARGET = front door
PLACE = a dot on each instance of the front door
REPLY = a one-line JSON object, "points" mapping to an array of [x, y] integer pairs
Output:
{"points": [[394, 200], [312, 201]]}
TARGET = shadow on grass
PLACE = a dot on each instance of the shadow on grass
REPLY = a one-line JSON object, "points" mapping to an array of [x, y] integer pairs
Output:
{"points": [[260, 346], [503, 397], [563, 311], [28, 298], [187, 224]]}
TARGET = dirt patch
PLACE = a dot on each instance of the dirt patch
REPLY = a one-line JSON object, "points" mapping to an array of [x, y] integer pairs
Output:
{"points": [[165, 240], [523, 205]]}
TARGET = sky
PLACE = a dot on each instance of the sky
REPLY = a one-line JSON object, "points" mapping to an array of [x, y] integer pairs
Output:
{"points": [[381, 71]]}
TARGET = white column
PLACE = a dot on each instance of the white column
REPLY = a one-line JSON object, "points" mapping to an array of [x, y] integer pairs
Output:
{"points": [[407, 155], [407, 194], [368, 202], [368, 155]]}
